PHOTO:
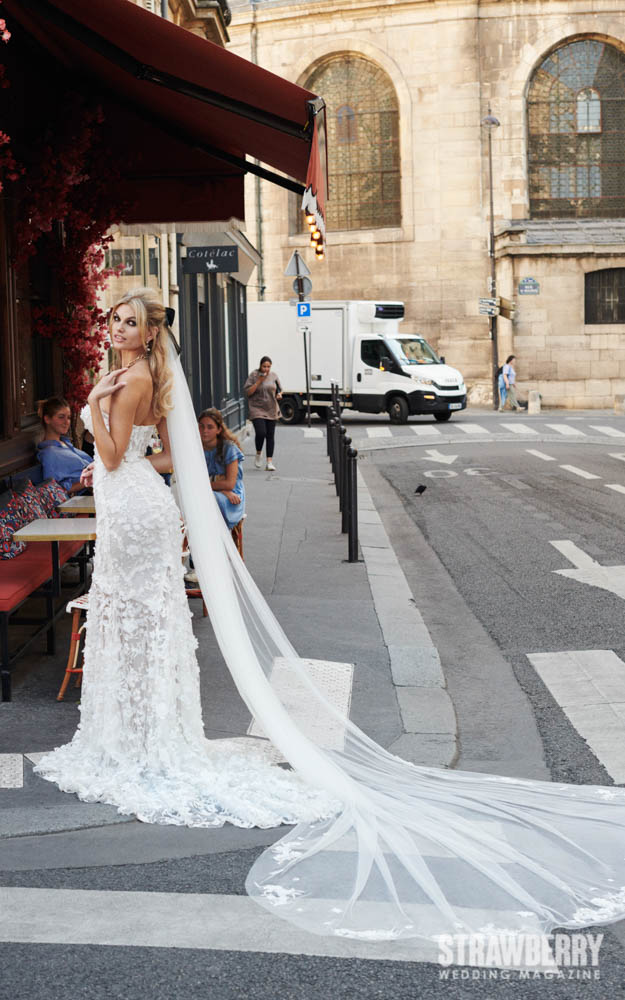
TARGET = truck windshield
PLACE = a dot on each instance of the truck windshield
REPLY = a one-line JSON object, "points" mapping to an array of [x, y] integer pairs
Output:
{"points": [[416, 352]]}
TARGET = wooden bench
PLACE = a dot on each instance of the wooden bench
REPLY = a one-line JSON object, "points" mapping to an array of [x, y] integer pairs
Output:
{"points": [[27, 575]]}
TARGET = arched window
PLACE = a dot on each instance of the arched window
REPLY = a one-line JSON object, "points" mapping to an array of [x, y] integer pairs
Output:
{"points": [[362, 121], [576, 123], [604, 296]]}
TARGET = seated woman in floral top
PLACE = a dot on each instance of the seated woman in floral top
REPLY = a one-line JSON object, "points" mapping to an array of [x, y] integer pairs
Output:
{"points": [[224, 460], [59, 458]]}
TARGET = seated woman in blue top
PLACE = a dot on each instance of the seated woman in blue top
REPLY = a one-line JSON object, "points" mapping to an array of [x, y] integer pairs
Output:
{"points": [[224, 460], [59, 459]]}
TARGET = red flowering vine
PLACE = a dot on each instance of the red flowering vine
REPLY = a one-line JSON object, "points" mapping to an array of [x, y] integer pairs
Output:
{"points": [[73, 184]]}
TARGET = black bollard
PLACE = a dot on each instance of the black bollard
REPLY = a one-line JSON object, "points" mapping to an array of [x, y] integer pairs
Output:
{"points": [[333, 434], [352, 478], [347, 441], [340, 463], [330, 416]]}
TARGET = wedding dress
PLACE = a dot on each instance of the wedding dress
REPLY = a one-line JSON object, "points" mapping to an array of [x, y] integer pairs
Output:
{"points": [[140, 744], [383, 849]]}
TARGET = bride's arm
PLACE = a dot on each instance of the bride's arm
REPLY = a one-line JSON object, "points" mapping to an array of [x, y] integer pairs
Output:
{"points": [[112, 443], [162, 461]]}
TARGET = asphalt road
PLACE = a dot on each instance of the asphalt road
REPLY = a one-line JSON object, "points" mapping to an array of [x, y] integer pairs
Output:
{"points": [[477, 550]]}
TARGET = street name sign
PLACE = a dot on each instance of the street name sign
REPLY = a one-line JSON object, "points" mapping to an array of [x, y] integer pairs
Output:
{"points": [[529, 286], [488, 307], [211, 260]]}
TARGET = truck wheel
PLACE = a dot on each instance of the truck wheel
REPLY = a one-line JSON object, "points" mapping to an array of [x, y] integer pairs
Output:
{"points": [[290, 412], [397, 410], [443, 416]]}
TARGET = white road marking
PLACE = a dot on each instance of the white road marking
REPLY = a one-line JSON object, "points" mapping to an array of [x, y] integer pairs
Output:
{"points": [[11, 770], [566, 430], [471, 428], [610, 431], [540, 454], [518, 428], [437, 456], [513, 481], [579, 472], [379, 432], [425, 430], [313, 432], [211, 922], [589, 685], [619, 454], [616, 487], [588, 570]]}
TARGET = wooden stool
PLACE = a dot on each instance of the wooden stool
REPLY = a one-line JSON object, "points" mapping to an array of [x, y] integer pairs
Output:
{"points": [[237, 537], [77, 608]]}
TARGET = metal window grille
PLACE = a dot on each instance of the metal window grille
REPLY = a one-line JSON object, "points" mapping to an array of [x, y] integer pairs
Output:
{"points": [[604, 299], [576, 125], [362, 121]]}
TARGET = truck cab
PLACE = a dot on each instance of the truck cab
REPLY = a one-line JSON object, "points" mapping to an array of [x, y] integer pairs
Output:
{"points": [[438, 388], [398, 372]]}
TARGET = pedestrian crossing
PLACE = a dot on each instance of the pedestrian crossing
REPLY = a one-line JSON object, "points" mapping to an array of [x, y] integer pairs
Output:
{"points": [[457, 430]]}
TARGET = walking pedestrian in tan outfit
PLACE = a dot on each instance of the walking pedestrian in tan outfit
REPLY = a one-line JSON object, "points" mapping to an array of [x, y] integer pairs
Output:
{"points": [[263, 391]]}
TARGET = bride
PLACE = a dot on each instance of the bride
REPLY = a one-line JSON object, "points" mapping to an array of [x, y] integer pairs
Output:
{"points": [[382, 849]]}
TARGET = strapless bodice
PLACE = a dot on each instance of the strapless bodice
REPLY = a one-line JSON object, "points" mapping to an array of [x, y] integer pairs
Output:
{"points": [[140, 436]]}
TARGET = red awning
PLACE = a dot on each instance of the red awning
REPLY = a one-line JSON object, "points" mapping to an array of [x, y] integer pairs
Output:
{"points": [[209, 108]]}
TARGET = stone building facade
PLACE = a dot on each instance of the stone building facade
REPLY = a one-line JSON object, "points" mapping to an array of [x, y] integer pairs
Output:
{"points": [[407, 85]]}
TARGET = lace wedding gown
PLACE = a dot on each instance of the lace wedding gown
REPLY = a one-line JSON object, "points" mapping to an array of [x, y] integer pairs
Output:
{"points": [[140, 744], [410, 852]]}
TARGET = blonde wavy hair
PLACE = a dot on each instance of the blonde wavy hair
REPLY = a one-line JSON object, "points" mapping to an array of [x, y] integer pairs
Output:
{"points": [[150, 312]]}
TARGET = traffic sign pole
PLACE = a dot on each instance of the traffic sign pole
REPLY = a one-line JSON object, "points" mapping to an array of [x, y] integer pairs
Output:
{"points": [[301, 295]]}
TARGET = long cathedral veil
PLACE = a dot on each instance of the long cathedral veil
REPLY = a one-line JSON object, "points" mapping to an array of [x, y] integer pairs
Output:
{"points": [[410, 851]]}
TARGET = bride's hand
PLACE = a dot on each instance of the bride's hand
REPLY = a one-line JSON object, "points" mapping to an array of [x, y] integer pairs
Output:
{"points": [[86, 476], [107, 385]]}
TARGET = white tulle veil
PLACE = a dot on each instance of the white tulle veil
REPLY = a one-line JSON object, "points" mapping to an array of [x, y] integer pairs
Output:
{"points": [[411, 851]]}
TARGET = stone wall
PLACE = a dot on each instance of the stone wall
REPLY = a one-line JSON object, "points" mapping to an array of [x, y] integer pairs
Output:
{"points": [[448, 62]]}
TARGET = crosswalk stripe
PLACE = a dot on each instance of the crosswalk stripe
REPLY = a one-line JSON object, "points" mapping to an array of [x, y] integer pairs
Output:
{"points": [[11, 770], [540, 454], [616, 487], [566, 430], [379, 432], [313, 432], [425, 430], [610, 431], [518, 428], [471, 428], [589, 685], [579, 472], [209, 922]]}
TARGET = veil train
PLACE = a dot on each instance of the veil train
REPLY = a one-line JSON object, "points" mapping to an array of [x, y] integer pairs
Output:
{"points": [[411, 851]]}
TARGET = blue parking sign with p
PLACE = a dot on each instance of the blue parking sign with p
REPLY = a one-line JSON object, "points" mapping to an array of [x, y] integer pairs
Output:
{"points": [[303, 310]]}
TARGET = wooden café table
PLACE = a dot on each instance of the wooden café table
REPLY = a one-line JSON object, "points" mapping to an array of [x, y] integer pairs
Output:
{"points": [[78, 505], [55, 530]]}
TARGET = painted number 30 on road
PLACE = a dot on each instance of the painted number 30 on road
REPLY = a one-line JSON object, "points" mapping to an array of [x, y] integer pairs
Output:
{"points": [[450, 474]]}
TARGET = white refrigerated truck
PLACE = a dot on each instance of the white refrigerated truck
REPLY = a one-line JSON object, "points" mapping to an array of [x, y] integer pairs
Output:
{"points": [[358, 345]]}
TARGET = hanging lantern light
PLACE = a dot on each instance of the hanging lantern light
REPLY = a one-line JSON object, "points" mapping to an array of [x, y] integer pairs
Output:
{"points": [[310, 219], [315, 235]]}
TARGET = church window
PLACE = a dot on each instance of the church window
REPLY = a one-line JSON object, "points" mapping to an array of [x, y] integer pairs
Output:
{"points": [[576, 126]]}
